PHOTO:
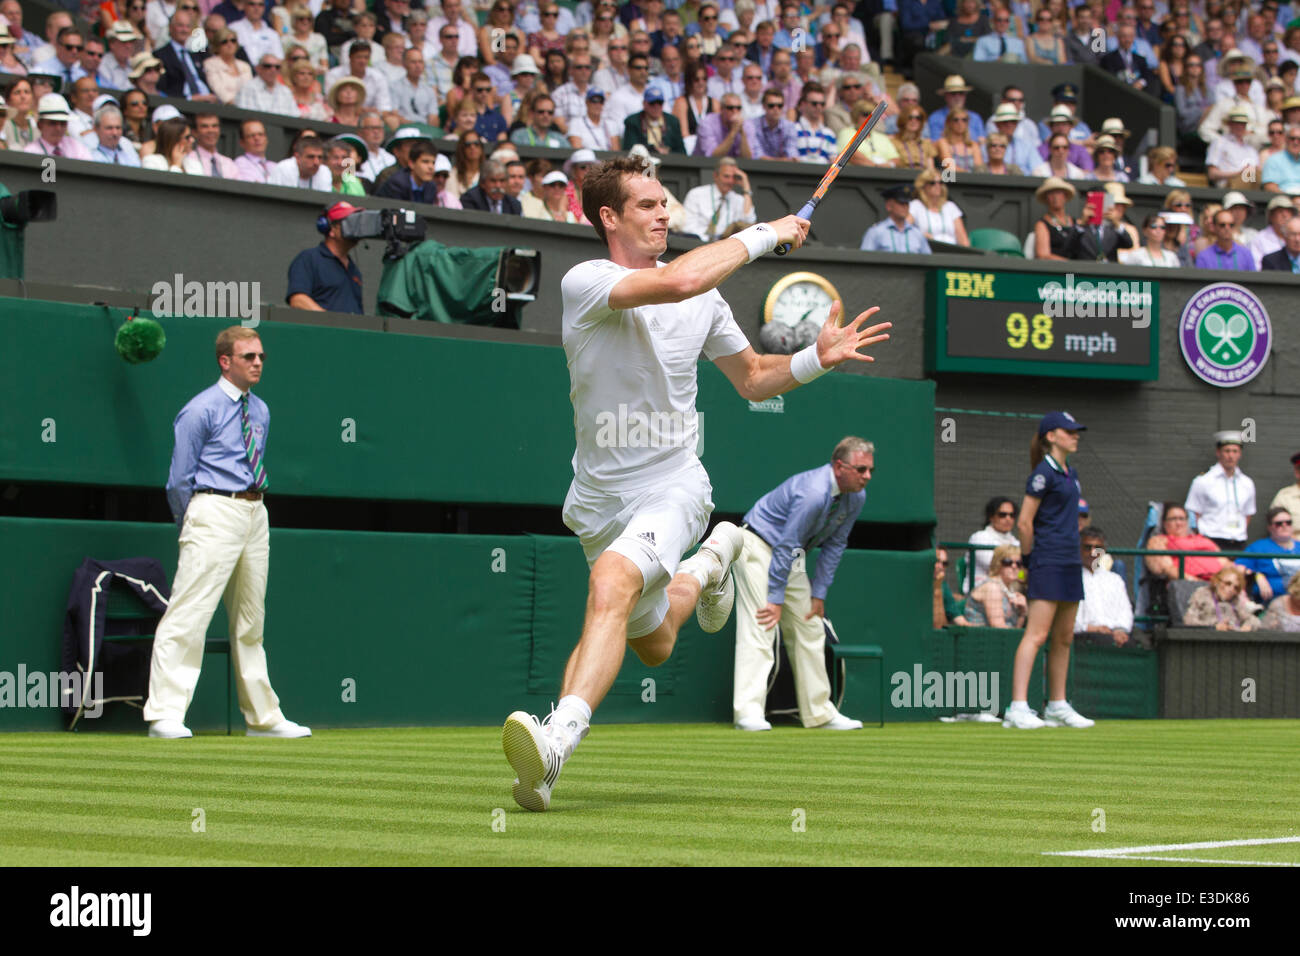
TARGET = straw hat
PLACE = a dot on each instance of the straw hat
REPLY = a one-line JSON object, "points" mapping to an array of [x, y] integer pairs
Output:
{"points": [[333, 97], [1052, 184], [954, 84]]}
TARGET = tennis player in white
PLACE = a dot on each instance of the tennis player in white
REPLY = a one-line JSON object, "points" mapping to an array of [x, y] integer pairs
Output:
{"points": [[634, 329]]}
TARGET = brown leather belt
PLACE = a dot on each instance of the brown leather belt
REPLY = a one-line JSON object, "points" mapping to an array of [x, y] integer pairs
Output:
{"points": [[245, 495]]}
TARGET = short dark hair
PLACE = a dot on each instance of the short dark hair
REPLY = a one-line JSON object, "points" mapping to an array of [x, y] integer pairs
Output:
{"points": [[606, 185], [1092, 533], [421, 147], [309, 140], [993, 504], [811, 87], [1272, 513], [639, 56]]}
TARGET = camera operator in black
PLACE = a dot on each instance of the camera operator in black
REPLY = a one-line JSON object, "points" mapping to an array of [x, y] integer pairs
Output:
{"points": [[325, 279]]}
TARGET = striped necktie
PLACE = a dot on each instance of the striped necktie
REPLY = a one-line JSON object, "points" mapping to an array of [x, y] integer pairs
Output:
{"points": [[250, 445]]}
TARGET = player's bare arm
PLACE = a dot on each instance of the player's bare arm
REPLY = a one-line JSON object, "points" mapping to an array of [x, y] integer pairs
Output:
{"points": [[699, 270], [758, 377]]}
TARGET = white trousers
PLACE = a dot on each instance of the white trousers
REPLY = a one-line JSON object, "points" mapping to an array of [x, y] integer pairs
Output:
{"points": [[225, 548], [805, 640]]}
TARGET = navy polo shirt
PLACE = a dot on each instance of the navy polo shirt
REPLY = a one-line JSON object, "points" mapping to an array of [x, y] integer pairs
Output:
{"points": [[1056, 524], [319, 273]]}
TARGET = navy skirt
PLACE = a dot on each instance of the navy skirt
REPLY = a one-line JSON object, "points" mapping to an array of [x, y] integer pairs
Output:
{"points": [[1056, 582]]}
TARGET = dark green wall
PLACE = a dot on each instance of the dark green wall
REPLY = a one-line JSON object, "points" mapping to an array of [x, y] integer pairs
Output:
{"points": [[435, 419], [432, 634]]}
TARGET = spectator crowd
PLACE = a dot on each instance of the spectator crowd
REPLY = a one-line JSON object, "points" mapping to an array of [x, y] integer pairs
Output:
{"points": [[734, 79], [1259, 589]]}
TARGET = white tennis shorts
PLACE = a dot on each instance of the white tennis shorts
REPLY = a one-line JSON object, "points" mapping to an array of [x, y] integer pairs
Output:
{"points": [[652, 526]]}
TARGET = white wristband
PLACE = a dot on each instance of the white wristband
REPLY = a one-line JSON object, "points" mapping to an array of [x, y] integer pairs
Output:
{"points": [[806, 366], [759, 240]]}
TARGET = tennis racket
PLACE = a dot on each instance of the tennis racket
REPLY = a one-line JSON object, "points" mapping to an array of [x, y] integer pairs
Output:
{"points": [[841, 161]]}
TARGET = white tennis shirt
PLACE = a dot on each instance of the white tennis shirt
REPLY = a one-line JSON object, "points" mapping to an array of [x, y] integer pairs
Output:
{"points": [[632, 376]]}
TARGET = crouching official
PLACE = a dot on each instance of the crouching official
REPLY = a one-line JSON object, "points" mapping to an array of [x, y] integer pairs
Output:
{"points": [[215, 491], [814, 509]]}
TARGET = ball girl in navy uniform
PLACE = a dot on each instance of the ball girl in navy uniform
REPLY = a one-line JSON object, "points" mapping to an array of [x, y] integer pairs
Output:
{"points": [[1048, 529]]}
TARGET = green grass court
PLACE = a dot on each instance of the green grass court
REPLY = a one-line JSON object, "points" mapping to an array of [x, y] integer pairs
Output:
{"points": [[657, 794]]}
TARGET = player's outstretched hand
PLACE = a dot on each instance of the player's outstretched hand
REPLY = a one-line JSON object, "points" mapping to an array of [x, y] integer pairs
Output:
{"points": [[791, 229], [838, 344]]}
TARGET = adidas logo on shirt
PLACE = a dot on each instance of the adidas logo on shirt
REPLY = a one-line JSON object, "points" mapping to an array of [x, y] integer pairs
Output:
{"points": [[647, 536], [654, 325]]}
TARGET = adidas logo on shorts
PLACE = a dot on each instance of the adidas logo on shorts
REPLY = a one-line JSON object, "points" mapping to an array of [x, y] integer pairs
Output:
{"points": [[647, 536]]}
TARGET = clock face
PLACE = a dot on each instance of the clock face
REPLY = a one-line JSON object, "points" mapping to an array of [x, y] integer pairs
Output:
{"points": [[802, 299]]}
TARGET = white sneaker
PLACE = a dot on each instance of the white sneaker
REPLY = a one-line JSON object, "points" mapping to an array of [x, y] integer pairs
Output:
{"points": [[753, 723], [1024, 719], [535, 757], [285, 728], [716, 555], [169, 729], [840, 722], [1063, 715]]}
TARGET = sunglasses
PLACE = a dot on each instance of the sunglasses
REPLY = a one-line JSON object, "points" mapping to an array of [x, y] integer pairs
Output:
{"points": [[860, 469], [73, 49], [1011, 563], [1005, 514], [482, 89], [773, 106], [942, 564], [249, 356], [1281, 524], [472, 142], [1157, 227]]}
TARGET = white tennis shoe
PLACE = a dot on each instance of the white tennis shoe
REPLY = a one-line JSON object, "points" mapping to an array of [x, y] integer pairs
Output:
{"points": [[1061, 714], [1022, 719], [716, 555], [536, 757], [169, 729]]}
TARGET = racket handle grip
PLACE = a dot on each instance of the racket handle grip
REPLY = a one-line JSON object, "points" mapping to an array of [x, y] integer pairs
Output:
{"points": [[804, 213]]}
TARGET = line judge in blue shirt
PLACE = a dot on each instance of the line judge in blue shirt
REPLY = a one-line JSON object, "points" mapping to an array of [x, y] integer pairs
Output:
{"points": [[896, 232], [215, 489], [813, 509]]}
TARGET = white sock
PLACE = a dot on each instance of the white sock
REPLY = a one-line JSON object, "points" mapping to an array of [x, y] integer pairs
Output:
{"points": [[697, 570], [1018, 705], [571, 722], [1055, 704]]}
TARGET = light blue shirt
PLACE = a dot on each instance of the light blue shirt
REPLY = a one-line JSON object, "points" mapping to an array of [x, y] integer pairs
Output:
{"points": [[988, 50], [885, 236], [934, 126], [1280, 168], [124, 155], [805, 511], [209, 450]]}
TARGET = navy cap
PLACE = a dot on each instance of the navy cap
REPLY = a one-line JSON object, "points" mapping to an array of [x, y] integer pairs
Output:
{"points": [[1059, 420], [1083, 506], [899, 193], [1065, 93], [653, 95]]}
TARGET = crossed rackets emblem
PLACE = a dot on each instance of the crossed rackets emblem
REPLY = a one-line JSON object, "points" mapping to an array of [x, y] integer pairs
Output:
{"points": [[1227, 332]]}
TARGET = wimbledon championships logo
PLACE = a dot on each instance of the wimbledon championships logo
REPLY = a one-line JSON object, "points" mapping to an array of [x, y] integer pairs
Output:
{"points": [[1225, 334]]}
